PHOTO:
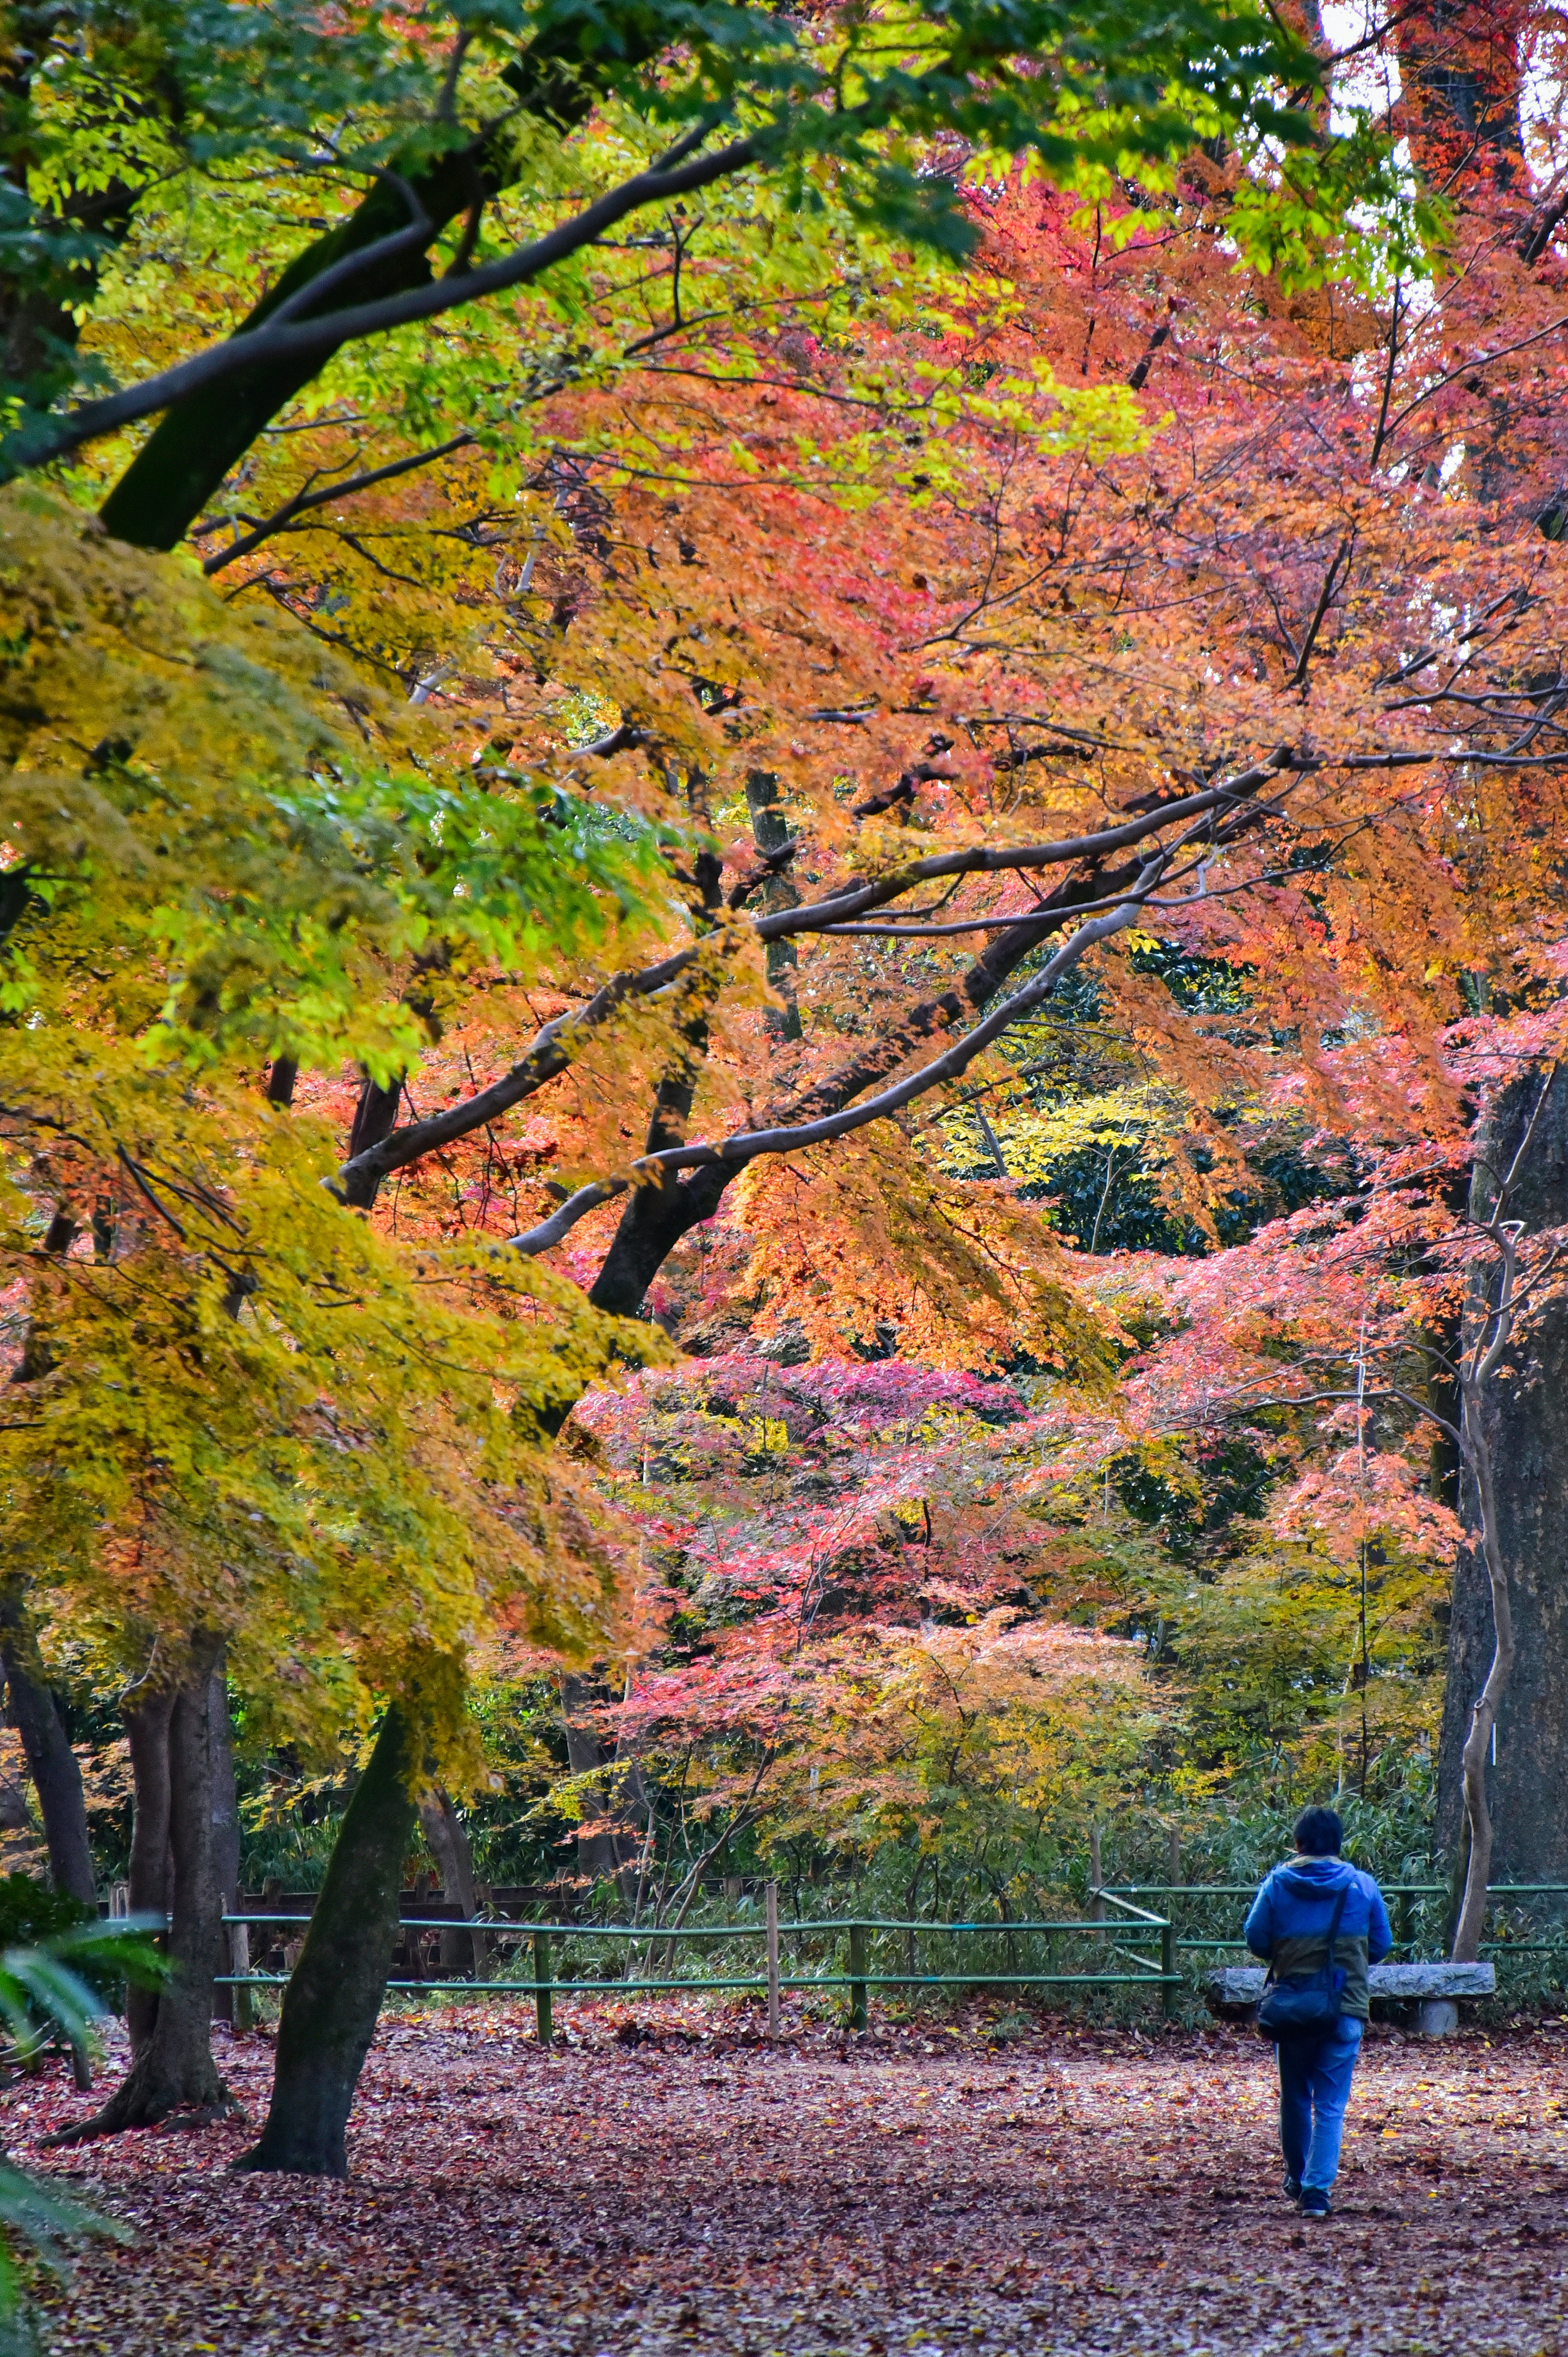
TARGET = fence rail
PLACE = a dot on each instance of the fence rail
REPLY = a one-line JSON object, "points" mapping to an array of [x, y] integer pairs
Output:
{"points": [[1128, 1922], [1158, 1973], [1404, 1925]]}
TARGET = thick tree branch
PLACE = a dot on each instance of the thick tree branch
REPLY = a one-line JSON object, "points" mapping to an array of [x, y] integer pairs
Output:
{"points": [[732, 1154], [315, 339]]}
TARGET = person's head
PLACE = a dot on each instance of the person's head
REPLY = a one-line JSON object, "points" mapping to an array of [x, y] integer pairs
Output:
{"points": [[1318, 1833]]}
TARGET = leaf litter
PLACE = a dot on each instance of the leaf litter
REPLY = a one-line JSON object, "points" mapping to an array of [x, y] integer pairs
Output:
{"points": [[666, 2180]]}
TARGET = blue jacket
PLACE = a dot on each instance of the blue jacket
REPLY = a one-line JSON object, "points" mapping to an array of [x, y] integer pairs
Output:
{"points": [[1289, 1921]]}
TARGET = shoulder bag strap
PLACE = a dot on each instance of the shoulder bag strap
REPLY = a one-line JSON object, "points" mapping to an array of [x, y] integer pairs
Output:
{"points": [[1334, 1923]]}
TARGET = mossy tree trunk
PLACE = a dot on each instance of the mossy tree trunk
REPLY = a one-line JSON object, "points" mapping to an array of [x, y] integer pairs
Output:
{"points": [[335, 1993]]}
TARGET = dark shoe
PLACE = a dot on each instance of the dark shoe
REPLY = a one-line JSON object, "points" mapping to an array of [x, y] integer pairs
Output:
{"points": [[1313, 2202], [1293, 2189]]}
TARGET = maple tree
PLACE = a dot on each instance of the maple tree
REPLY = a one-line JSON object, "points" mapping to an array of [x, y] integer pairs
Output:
{"points": [[1188, 640]]}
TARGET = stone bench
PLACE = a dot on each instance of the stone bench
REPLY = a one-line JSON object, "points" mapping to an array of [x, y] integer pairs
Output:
{"points": [[1234, 1990]]}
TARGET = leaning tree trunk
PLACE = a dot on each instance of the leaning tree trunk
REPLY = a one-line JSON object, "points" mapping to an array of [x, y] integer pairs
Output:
{"points": [[335, 1993], [1524, 1426], [173, 2070], [51, 1762]]}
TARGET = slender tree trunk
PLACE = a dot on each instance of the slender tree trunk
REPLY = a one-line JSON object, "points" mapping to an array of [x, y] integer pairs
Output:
{"points": [[601, 1855], [149, 1711], [225, 1821], [225, 1796], [173, 2069], [461, 1951], [51, 1762], [334, 1994], [1484, 1718], [770, 833]]}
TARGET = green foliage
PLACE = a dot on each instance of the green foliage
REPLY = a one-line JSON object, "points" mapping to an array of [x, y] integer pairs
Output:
{"points": [[203, 790], [241, 1407], [30, 1911], [193, 111]]}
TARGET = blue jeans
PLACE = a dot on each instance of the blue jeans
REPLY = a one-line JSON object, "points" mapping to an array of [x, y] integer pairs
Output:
{"points": [[1315, 2087]]}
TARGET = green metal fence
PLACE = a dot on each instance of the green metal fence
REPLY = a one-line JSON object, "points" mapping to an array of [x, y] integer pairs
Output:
{"points": [[1138, 1947], [1418, 1917]]}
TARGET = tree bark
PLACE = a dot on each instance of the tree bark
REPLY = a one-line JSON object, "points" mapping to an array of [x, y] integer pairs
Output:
{"points": [[173, 2069], [770, 833], [332, 2000], [51, 1762], [1484, 1717], [225, 1794], [1523, 1425], [225, 1823], [148, 1712], [461, 1951], [1461, 68], [602, 1856]]}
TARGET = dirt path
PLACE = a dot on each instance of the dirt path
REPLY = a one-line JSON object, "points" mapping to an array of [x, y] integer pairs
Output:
{"points": [[904, 2191]]}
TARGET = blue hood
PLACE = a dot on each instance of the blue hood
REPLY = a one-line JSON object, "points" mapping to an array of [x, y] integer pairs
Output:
{"points": [[1294, 1900], [1308, 1877]]}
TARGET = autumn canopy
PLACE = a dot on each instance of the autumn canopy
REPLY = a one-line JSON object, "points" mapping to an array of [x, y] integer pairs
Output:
{"points": [[783, 992]]}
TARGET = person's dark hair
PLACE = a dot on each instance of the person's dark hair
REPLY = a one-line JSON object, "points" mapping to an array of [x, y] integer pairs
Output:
{"points": [[1318, 1833]]}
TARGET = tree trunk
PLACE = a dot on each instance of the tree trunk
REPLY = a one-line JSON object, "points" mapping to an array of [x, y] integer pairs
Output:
{"points": [[1461, 70], [225, 1797], [225, 1821], [1524, 1426], [51, 1762], [174, 2069], [1493, 1692], [149, 1711], [603, 1855], [332, 2000], [770, 833], [461, 1951]]}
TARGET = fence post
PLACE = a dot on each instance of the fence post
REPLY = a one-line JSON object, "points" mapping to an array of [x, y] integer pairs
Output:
{"points": [[1404, 1933], [244, 2014], [857, 1976], [1096, 1904], [773, 1960], [1167, 1966], [542, 1993]]}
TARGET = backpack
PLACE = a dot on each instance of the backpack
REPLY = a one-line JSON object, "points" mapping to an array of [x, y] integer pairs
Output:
{"points": [[1306, 2005]]}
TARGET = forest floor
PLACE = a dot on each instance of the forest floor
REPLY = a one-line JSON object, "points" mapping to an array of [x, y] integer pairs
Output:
{"points": [[703, 2192]]}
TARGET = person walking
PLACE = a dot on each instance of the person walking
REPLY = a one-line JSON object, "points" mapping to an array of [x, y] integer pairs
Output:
{"points": [[1316, 1898]]}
